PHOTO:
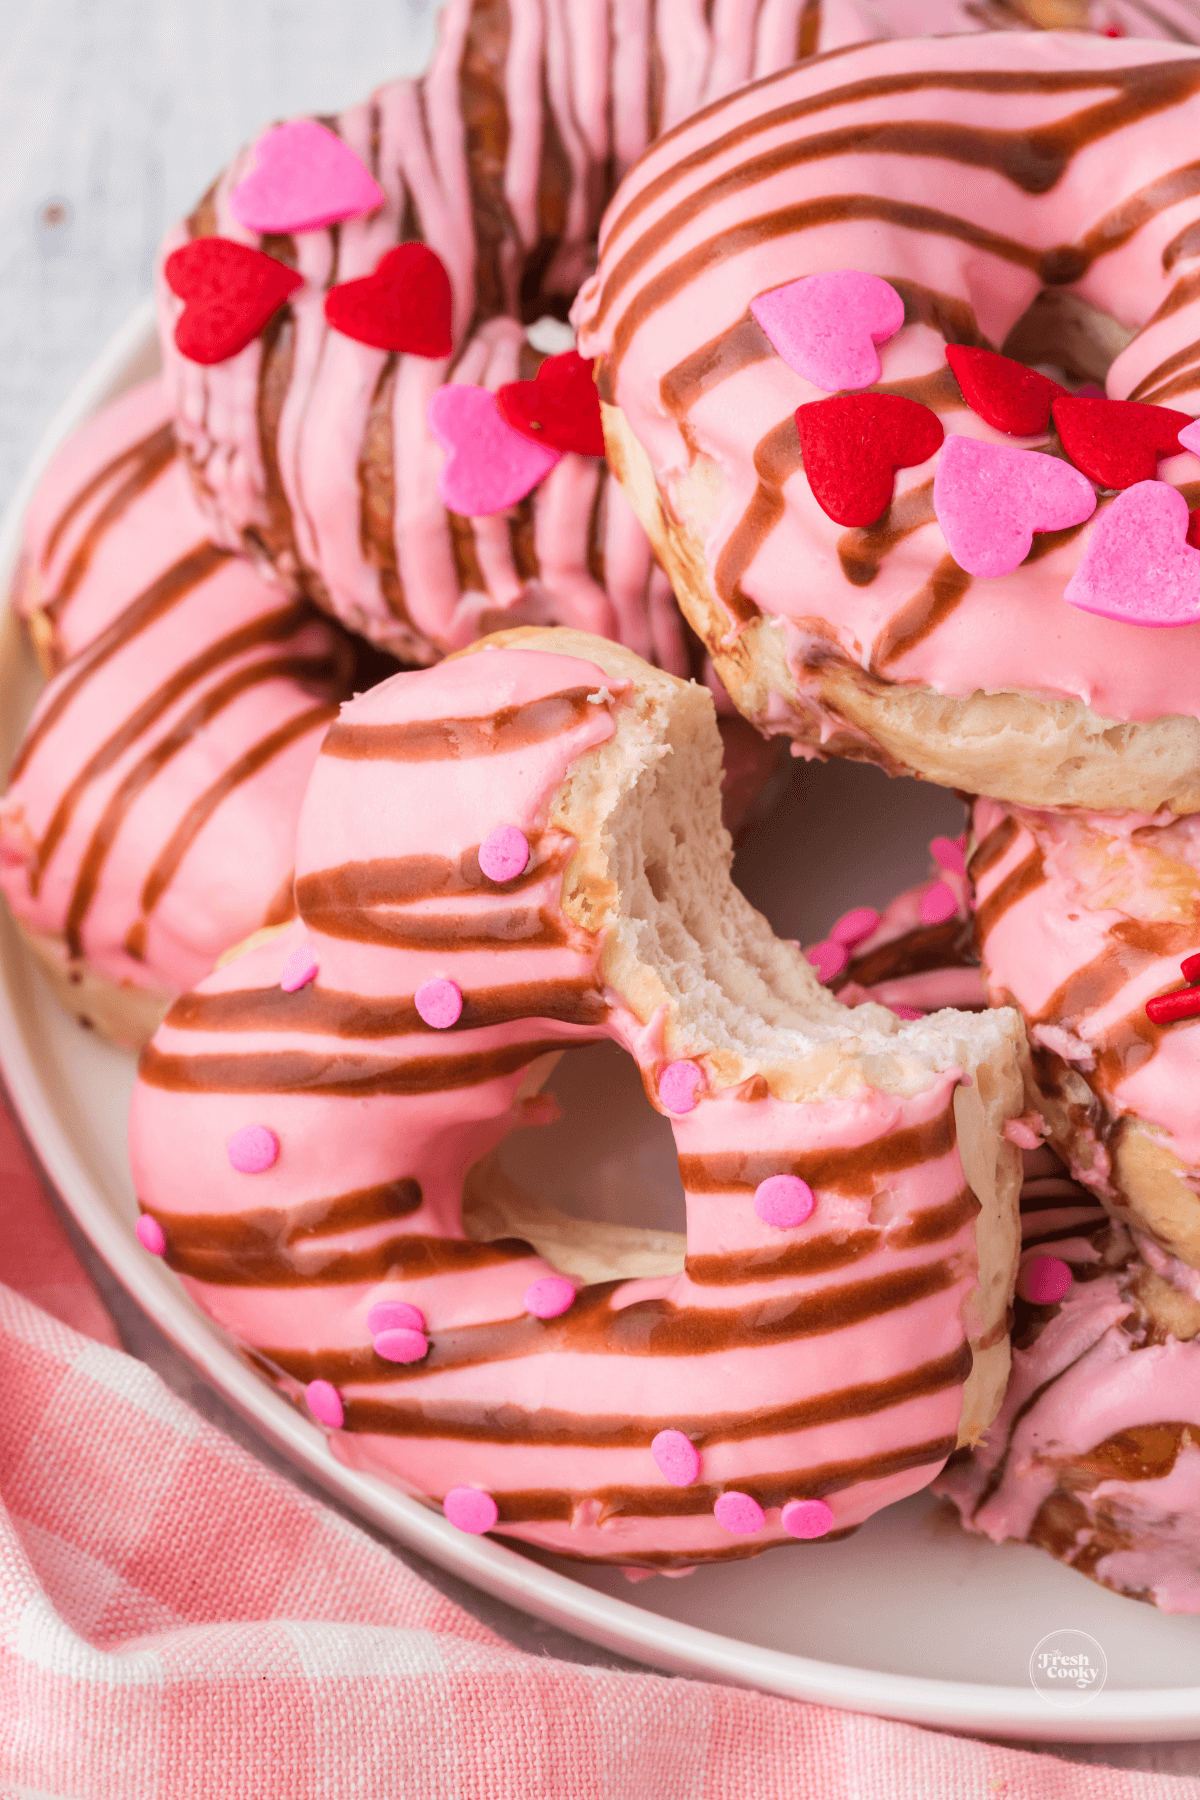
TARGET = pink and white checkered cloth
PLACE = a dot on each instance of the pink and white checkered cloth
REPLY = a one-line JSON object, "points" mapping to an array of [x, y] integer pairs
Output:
{"points": [[178, 1622]]}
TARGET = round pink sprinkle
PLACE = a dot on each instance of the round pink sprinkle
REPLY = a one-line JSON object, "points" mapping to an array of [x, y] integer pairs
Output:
{"points": [[252, 1149], [549, 1297], [394, 1315], [504, 853], [677, 1086], [907, 1012], [938, 904], [299, 969], [806, 1518], [325, 1404], [401, 1345], [783, 1201], [948, 854], [828, 958], [677, 1457], [740, 1514], [854, 926], [470, 1509], [150, 1235], [1044, 1280], [439, 1002]]}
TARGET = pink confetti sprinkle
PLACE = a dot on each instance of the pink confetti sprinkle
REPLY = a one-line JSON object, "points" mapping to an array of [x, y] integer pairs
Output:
{"points": [[401, 1345], [394, 1315], [854, 926], [471, 1510], [828, 958], [907, 1012], [1044, 1280], [439, 1002], [549, 1297], [783, 1201], [299, 969], [253, 1149], [325, 1404], [504, 853], [938, 904], [150, 1235], [677, 1086], [806, 1518], [739, 1513], [948, 854], [677, 1457]]}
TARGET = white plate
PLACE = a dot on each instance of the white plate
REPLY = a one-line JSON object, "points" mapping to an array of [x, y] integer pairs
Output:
{"points": [[909, 1617]]}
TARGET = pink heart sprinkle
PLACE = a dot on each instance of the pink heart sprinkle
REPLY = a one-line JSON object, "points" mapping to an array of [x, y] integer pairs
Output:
{"points": [[677, 1086], [739, 1513], [990, 499], [1189, 437], [937, 904], [828, 958], [549, 1297], [677, 1457], [806, 1518], [488, 466], [826, 327], [471, 1510], [303, 177], [504, 853], [783, 1201], [1044, 1280], [948, 853], [150, 1235], [401, 1345], [1139, 567], [325, 1404], [299, 969], [253, 1149], [907, 1012], [394, 1315], [854, 926], [439, 1002]]}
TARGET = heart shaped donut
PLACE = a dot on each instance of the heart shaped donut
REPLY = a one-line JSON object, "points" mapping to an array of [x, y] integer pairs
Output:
{"points": [[314, 1160], [962, 620]]}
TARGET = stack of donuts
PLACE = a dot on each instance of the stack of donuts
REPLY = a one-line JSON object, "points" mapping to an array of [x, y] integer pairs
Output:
{"points": [[492, 411]]}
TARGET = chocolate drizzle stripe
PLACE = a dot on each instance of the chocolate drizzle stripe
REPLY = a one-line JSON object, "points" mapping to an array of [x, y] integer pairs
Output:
{"points": [[270, 628], [397, 880], [259, 1261], [928, 608], [1033, 161], [861, 549], [317, 1009], [443, 740], [777, 456], [949, 945], [481, 1423], [149, 457], [528, 1506], [282, 1227], [496, 928], [1023, 880], [289, 1072], [738, 348], [816, 1256], [1180, 359], [859, 1170], [993, 848], [167, 591], [182, 733]]}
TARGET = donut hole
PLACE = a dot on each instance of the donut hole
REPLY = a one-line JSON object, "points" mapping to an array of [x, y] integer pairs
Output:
{"points": [[1067, 333]]}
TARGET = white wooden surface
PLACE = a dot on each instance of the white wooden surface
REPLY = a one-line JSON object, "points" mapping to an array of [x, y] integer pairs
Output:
{"points": [[114, 115]]}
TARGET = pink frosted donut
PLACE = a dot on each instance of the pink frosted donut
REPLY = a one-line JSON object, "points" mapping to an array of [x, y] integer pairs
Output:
{"points": [[662, 1406], [150, 814], [884, 563], [1083, 922]]}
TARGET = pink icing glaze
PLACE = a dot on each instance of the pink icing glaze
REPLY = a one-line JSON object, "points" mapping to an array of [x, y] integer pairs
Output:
{"points": [[150, 817], [381, 1128], [683, 256], [252, 1150]]}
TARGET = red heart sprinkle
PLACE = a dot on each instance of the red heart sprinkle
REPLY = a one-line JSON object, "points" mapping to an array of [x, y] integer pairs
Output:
{"points": [[229, 292], [559, 407], [852, 446], [1004, 393], [1193, 530], [404, 305], [1117, 443]]}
